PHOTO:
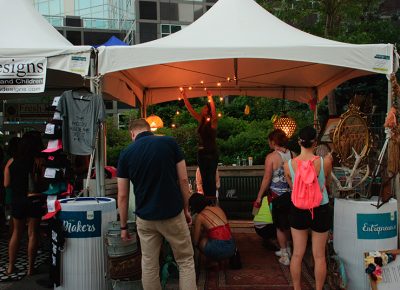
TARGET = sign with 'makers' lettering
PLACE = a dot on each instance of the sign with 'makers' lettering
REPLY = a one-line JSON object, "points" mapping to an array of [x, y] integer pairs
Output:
{"points": [[22, 75], [81, 224], [376, 226]]}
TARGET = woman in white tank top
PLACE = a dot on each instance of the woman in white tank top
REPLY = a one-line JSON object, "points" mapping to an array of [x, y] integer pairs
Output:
{"points": [[279, 191]]}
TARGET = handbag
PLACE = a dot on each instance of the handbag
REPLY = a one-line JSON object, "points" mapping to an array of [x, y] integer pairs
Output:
{"points": [[235, 262]]}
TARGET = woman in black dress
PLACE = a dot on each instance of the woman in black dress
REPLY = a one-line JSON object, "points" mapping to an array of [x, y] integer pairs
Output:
{"points": [[207, 153]]}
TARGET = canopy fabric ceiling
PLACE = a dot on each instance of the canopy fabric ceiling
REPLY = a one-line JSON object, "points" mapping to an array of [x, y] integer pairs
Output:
{"points": [[25, 33], [238, 39]]}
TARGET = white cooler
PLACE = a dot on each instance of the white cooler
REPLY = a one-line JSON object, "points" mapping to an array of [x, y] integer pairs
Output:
{"points": [[360, 227], [85, 221]]}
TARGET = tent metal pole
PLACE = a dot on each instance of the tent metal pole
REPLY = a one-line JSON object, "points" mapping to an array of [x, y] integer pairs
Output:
{"points": [[99, 153]]}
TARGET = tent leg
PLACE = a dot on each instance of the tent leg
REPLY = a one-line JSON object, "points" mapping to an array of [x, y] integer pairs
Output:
{"points": [[99, 155]]}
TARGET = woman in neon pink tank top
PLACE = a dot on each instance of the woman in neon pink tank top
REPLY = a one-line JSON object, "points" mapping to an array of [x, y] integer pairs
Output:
{"points": [[301, 220]]}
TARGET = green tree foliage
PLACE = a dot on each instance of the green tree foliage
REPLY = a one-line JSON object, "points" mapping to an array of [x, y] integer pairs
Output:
{"points": [[117, 140]]}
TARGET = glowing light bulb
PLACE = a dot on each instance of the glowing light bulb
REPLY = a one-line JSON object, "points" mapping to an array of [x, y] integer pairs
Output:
{"points": [[190, 88], [228, 79], [221, 99], [205, 89], [218, 84], [181, 89], [173, 125], [208, 119], [202, 82], [177, 112], [219, 115], [179, 98]]}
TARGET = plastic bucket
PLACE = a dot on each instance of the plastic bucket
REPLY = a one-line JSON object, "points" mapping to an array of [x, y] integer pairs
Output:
{"points": [[360, 227], [83, 262]]}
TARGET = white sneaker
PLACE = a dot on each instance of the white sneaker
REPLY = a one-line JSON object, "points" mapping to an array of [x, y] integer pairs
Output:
{"points": [[284, 259], [279, 253]]}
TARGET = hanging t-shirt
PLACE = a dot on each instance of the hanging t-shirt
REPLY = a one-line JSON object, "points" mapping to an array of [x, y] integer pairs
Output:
{"points": [[81, 112]]}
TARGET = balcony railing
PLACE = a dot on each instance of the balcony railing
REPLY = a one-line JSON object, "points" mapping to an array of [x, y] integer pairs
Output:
{"points": [[94, 23]]}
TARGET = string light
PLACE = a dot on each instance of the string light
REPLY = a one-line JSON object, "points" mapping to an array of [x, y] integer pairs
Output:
{"points": [[219, 115], [218, 84], [202, 82], [205, 89], [173, 125], [179, 98], [190, 88], [177, 112], [208, 119], [181, 89], [228, 79], [221, 99]]}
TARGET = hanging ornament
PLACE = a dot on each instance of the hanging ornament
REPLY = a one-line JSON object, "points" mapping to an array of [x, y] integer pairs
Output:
{"points": [[247, 110], [155, 122], [286, 124], [313, 103]]}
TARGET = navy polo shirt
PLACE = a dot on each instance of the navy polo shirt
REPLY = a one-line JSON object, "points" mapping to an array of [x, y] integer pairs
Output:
{"points": [[150, 163]]}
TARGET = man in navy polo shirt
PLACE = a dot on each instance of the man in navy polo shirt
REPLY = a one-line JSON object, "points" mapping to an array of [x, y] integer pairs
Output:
{"points": [[155, 166]]}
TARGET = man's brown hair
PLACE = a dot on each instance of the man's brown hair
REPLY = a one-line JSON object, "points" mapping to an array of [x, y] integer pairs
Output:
{"points": [[138, 124]]}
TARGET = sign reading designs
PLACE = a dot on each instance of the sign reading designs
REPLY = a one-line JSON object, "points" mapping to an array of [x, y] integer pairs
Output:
{"points": [[377, 226], [22, 75], [81, 224]]}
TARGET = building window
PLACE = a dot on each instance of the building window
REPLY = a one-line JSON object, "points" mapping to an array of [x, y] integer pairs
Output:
{"points": [[169, 11], [50, 7], [167, 29], [148, 10], [148, 32], [75, 37], [197, 11]]}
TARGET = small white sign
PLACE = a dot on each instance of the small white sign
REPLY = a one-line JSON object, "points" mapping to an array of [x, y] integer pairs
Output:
{"points": [[55, 101], [50, 172], [50, 129], [79, 63], [22, 75]]}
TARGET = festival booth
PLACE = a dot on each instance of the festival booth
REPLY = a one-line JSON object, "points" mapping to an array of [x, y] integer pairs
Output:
{"points": [[253, 53]]}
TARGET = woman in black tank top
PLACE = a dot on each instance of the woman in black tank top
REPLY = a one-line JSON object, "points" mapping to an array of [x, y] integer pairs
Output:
{"points": [[207, 153]]}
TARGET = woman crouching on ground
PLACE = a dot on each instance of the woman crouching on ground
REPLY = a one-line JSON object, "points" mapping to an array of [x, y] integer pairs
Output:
{"points": [[318, 219], [211, 233]]}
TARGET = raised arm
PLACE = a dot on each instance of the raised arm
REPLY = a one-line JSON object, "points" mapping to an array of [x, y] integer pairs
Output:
{"points": [[190, 108], [214, 117]]}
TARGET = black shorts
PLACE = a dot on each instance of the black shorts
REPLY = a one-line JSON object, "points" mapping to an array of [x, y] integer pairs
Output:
{"points": [[280, 211], [267, 232], [28, 207], [300, 219]]}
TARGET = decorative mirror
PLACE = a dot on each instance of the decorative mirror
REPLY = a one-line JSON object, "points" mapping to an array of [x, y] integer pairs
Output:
{"points": [[351, 133]]}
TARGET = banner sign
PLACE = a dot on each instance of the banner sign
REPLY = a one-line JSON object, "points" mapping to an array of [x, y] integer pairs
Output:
{"points": [[22, 75], [377, 226], [81, 224]]}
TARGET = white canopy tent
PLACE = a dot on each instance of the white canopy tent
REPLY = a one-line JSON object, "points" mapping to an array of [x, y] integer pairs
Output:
{"points": [[25, 34], [238, 47]]}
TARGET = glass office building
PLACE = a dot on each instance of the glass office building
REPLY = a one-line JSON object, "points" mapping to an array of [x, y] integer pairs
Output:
{"points": [[92, 22], [159, 18]]}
